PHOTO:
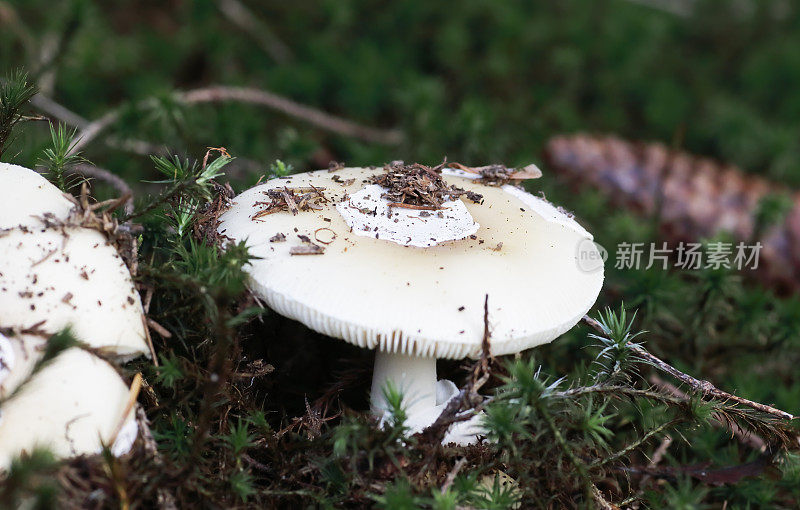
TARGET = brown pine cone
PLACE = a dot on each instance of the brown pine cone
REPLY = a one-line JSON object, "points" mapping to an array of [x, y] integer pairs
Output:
{"points": [[696, 197]]}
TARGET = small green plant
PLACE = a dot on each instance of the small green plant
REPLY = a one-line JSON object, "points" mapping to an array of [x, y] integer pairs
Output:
{"points": [[239, 438], [396, 406], [15, 92], [280, 169], [398, 496], [29, 482], [187, 184], [242, 484], [169, 371], [616, 356], [60, 156]]}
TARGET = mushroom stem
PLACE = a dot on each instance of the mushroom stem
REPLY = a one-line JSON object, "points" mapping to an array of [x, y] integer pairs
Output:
{"points": [[414, 376]]}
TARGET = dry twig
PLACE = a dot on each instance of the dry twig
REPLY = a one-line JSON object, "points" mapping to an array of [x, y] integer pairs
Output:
{"points": [[704, 387], [101, 174], [220, 94], [451, 476], [749, 438], [241, 16]]}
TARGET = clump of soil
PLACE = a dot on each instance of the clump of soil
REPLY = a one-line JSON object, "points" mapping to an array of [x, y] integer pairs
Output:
{"points": [[291, 199], [419, 186]]}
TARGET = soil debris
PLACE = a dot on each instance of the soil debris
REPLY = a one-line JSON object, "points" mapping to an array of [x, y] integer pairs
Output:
{"points": [[345, 182], [293, 200], [307, 249], [418, 186], [328, 234]]}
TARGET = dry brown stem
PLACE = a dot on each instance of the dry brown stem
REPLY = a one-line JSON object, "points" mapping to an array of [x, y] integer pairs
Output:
{"points": [[704, 387], [750, 439], [221, 94]]}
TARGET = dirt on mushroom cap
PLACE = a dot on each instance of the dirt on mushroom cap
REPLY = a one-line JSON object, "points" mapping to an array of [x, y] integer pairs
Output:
{"points": [[70, 276], [419, 186]]}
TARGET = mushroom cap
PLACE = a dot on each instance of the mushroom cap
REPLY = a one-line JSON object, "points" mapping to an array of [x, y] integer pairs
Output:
{"points": [[70, 276], [18, 355], [69, 407], [25, 196], [413, 300]]}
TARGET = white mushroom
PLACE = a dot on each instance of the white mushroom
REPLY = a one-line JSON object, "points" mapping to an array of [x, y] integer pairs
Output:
{"points": [[70, 276], [72, 406], [18, 355], [55, 276], [411, 283], [26, 196]]}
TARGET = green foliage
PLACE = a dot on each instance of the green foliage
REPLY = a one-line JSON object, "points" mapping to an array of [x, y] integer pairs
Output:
{"points": [[15, 92], [28, 482], [195, 179], [684, 495], [60, 156], [186, 184], [258, 419], [398, 496], [174, 437], [396, 406], [242, 484], [616, 355], [181, 215], [169, 371], [498, 496], [280, 169], [593, 424], [239, 438]]}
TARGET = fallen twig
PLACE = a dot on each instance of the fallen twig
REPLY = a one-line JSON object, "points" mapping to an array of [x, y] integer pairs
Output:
{"points": [[133, 395], [451, 476], [67, 116], [241, 16], [158, 328], [658, 455], [600, 500], [749, 438], [101, 174], [704, 387], [149, 340], [219, 94]]}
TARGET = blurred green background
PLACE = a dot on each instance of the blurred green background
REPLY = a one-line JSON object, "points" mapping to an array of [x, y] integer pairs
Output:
{"points": [[477, 81]]}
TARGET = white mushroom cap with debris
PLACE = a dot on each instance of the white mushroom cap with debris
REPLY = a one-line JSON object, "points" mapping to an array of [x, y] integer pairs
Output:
{"points": [[55, 273]]}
